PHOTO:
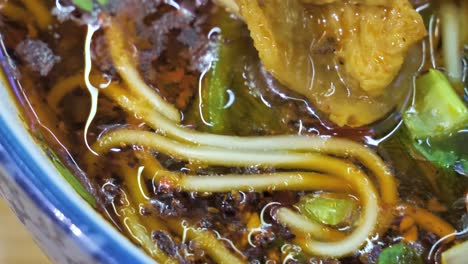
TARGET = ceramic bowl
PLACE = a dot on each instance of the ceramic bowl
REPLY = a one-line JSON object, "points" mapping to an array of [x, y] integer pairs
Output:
{"points": [[66, 228]]}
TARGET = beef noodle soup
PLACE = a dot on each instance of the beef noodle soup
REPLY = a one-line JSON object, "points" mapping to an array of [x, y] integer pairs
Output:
{"points": [[248, 131]]}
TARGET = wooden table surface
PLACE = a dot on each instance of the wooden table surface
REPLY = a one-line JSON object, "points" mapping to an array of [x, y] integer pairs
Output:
{"points": [[16, 244]]}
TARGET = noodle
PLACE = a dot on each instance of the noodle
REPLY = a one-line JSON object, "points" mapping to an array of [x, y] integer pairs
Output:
{"points": [[282, 159], [292, 181], [38, 9], [278, 151], [289, 181], [139, 233], [127, 70], [63, 87], [132, 221], [328, 145], [313, 163], [304, 225], [202, 238], [291, 152], [205, 240], [14, 12]]}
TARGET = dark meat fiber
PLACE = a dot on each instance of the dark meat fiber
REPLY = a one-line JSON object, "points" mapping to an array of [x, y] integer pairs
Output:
{"points": [[37, 55]]}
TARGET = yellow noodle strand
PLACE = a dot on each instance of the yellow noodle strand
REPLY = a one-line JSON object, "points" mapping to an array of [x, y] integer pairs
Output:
{"points": [[328, 145], [282, 181], [289, 152], [40, 12], [63, 87], [127, 70], [303, 225], [14, 12], [202, 238], [132, 220], [282, 159], [290, 181], [207, 241], [367, 196]]}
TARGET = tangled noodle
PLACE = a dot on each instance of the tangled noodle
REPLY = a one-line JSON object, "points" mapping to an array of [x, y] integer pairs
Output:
{"points": [[313, 163]]}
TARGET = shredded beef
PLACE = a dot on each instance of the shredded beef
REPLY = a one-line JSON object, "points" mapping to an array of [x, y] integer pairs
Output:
{"points": [[37, 55], [63, 13], [165, 242], [189, 37], [226, 204], [168, 204], [169, 21], [100, 53]]}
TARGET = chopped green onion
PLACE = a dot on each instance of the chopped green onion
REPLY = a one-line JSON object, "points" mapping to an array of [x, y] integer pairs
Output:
{"points": [[399, 253], [438, 109], [215, 95], [327, 210], [70, 178], [64, 171], [87, 5], [219, 79]]}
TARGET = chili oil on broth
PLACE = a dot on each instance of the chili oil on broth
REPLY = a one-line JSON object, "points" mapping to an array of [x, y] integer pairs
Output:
{"points": [[158, 212]]}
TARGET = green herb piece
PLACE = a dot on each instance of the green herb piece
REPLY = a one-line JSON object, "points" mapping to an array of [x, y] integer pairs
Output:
{"points": [[446, 151], [71, 179], [438, 109], [66, 174], [327, 210], [399, 253], [86, 5], [431, 167], [437, 156], [233, 100], [219, 79], [215, 93]]}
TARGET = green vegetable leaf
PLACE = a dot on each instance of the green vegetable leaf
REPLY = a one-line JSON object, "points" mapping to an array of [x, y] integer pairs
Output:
{"points": [[438, 109], [399, 253], [326, 209]]}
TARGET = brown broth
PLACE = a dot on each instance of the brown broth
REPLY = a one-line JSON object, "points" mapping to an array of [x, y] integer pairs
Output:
{"points": [[175, 72]]}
